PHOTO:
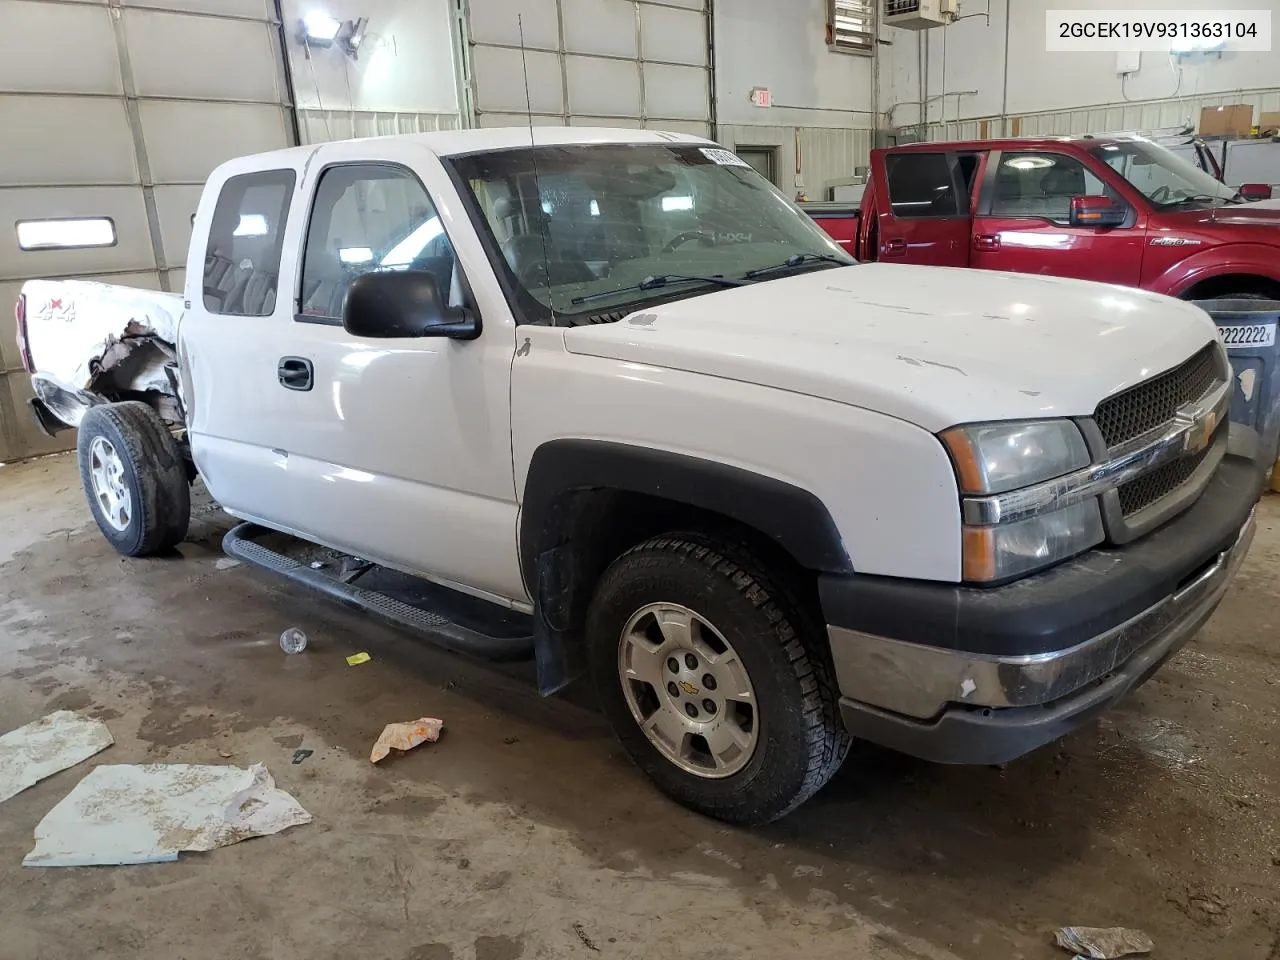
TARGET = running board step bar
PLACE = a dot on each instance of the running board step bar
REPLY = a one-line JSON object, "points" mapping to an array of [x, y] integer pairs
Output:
{"points": [[240, 543]]}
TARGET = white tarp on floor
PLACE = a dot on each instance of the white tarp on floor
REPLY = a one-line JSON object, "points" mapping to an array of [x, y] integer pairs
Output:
{"points": [[147, 814], [42, 748]]}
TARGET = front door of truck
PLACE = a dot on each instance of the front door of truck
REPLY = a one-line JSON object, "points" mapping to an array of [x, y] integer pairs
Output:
{"points": [[398, 450], [1023, 221], [922, 199]]}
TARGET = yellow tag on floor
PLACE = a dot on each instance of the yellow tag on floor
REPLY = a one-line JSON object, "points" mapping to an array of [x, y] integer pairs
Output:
{"points": [[358, 658]]}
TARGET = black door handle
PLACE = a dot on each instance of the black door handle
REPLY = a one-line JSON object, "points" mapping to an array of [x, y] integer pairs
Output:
{"points": [[296, 373]]}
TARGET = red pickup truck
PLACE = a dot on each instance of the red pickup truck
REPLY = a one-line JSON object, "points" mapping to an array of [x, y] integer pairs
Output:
{"points": [[1115, 209]]}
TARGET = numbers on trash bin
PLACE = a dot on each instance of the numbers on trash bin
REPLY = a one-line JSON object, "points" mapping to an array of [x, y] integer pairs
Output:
{"points": [[1248, 335]]}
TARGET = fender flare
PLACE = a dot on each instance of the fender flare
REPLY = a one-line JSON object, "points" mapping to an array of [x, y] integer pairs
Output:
{"points": [[793, 517], [1250, 258]]}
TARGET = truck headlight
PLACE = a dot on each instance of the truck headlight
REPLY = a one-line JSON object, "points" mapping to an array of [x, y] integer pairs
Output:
{"points": [[995, 457], [1000, 457]]}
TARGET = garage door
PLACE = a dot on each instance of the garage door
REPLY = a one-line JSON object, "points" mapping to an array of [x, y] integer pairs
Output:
{"points": [[113, 113], [618, 63]]}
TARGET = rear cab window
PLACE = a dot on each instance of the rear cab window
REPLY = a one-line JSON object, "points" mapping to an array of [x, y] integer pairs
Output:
{"points": [[242, 257]]}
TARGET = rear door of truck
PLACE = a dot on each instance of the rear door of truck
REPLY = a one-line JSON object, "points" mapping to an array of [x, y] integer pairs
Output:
{"points": [[923, 204]]}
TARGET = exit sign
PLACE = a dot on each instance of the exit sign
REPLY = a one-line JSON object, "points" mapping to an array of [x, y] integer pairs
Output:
{"points": [[761, 97]]}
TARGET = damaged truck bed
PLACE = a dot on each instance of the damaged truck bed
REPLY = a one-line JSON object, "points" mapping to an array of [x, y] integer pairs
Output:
{"points": [[99, 343]]}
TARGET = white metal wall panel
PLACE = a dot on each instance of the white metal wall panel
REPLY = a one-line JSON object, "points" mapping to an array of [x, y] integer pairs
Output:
{"points": [[630, 63], [625, 123], [499, 22], [120, 109], [610, 88], [174, 206], [195, 57], [503, 86], [249, 9], [1105, 118], [318, 126], [538, 120], [678, 36], [676, 92], [88, 62], [604, 29], [47, 138], [186, 139], [819, 155]]}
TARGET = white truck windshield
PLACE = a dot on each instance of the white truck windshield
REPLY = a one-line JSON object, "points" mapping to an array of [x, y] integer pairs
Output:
{"points": [[580, 230]]}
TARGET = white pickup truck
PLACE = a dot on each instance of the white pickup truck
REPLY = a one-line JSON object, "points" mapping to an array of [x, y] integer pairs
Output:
{"points": [[613, 392]]}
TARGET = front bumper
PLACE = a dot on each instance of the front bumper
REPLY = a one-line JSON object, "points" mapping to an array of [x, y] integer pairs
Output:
{"points": [[1025, 664]]}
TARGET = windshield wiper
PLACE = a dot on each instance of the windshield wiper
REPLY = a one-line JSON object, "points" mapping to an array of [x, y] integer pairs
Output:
{"points": [[657, 282], [795, 261]]}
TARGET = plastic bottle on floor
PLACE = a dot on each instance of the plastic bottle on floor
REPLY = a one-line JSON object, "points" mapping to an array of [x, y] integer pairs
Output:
{"points": [[293, 640]]}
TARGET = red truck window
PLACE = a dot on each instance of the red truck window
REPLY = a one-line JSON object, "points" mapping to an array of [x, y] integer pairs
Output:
{"points": [[921, 186], [1041, 185]]}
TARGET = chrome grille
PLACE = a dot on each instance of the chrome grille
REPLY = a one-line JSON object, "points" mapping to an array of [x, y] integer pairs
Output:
{"points": [[1154, 486], [1152, 404]]}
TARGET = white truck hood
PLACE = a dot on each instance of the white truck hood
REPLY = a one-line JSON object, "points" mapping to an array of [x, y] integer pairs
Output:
{"points": [[933, 346]]}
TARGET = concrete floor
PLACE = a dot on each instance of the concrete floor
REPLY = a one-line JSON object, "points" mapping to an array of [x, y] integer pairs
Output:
{"points": [[526, 833]]}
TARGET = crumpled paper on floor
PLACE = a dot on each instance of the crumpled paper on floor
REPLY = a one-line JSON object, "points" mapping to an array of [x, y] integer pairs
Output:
{"points": [[45, 746], [147, 813], [406, 736], [1104, 943]]}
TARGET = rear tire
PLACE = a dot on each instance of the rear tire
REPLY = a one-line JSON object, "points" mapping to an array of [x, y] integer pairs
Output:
{"points": [[765, 734], [134, 477], [1250, 295]]}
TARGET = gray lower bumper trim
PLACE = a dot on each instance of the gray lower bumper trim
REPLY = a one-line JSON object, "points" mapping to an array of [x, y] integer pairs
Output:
{"points": [[919, 681]]}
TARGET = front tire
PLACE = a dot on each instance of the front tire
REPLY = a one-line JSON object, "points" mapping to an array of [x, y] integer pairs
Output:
{"points": [[134, 478], [714, 680]]}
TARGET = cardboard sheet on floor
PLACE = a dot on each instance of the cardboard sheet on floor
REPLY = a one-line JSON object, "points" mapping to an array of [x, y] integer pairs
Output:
{"points": [[122, 814], [45, 746]]}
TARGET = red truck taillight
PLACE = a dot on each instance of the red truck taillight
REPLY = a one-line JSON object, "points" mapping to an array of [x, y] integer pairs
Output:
{"points": [[24, 351]]}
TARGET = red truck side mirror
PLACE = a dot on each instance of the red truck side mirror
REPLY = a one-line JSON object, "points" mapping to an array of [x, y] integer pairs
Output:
{"points": [[1255, 191], [1097, 212]]}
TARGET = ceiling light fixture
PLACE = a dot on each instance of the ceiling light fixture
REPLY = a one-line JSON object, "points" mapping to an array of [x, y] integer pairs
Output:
{"points": [[318, 29]]}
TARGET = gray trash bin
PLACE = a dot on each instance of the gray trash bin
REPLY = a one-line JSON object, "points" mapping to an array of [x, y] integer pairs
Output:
{"points": [[1248, 331]]}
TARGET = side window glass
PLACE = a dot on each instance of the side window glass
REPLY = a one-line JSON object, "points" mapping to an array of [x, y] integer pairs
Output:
{"points": [[1041, 185], [242, 260], [921, 186], [369, 217]]}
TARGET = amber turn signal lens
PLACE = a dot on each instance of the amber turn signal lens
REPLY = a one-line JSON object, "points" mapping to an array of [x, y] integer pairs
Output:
{"points": [[965, 456], [979, 554]]}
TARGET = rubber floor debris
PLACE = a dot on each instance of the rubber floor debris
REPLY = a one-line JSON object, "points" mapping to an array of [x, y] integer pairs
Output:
{"points": [[46, 746], [123, 814]]}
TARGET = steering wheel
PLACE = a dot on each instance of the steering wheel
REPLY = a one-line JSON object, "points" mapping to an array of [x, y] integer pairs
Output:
{"points": [[1160, 194], [680, 239]]}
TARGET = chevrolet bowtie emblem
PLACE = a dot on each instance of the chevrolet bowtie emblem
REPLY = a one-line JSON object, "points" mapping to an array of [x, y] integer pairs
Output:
{"points": [[688, 688], [1201, 433]]}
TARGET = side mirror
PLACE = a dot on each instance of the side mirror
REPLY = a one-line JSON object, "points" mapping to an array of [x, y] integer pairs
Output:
{"points": [[403, 303], [1097, 212], [1255, 191]]}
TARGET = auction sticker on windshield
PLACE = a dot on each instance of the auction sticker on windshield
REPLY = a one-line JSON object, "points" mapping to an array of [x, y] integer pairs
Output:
{"points": [[1238, 336], [726, 158]]}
